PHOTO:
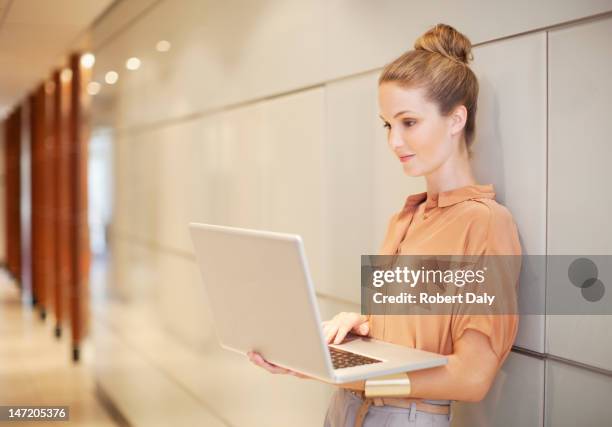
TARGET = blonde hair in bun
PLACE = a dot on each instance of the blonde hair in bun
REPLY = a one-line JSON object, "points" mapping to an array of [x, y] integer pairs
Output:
{"points": [[446, 41], [439, 64]]}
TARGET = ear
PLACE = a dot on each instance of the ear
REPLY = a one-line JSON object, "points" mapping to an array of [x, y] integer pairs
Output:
{"points": [[458, 119]]}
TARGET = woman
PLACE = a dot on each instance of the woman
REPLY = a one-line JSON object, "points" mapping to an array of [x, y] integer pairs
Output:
{"points": [[427, 99]]}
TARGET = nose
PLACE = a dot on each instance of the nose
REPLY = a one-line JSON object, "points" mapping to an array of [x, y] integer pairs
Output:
{"points": [[395, 140]]}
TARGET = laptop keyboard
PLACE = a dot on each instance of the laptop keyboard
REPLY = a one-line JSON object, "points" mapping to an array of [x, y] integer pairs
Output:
{"points": [[346, 359]]}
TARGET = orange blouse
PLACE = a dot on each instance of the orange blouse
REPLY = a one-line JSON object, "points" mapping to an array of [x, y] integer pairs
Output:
{"points": [[462, 221]]}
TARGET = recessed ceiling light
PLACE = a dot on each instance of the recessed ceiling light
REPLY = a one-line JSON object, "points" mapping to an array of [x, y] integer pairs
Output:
{"points": [[66, 75], [111, 77], [93, 88], [132, 63], [88, 60], [163, 46]]}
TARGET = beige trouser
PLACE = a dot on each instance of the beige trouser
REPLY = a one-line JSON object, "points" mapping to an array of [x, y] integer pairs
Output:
{"points": [[344, 405]]}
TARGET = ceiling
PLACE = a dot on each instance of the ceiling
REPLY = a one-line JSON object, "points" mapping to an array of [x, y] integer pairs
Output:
{"points": [[35, 35]]}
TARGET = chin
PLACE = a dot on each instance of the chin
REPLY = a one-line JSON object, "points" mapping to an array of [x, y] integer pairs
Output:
{"points": [[412, 172]]}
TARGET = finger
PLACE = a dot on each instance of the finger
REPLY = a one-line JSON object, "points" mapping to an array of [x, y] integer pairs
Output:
{"points": [[362, 329], [331, 333], [278, 370], [270, 367], [275, 369], [326, 329], [342, 331], [297, 374], [256, 358], [259, 360]]}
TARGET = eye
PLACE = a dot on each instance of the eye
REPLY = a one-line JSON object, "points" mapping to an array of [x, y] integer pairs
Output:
{"points": [[407, 123]]}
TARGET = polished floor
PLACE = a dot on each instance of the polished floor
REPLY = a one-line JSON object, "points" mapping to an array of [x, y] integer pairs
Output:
{"points": [[35, 367]]}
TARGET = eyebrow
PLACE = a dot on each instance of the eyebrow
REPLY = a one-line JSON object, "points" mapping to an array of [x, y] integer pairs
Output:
{"points": [[398, 113]]}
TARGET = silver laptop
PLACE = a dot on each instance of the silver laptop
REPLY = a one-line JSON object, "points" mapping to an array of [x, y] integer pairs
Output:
{"points": [[262, 298]]}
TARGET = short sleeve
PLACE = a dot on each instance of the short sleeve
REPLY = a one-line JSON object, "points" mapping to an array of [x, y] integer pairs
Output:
{"points": [[500, 255], [500, 329]]}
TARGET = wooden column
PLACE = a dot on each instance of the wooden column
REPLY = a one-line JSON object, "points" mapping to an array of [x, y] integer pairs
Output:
{"points": [[37, 136], [62, 200], [79, 138], [12, 129], [49, 222], [58, 149]]}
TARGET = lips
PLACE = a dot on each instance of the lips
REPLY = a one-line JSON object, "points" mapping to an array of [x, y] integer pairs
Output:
{"points": [[406, 158]]}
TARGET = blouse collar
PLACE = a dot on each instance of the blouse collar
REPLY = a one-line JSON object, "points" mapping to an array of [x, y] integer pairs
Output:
{"points": [[450, 197]]}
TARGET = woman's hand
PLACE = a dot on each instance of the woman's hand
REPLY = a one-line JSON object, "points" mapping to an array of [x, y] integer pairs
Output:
{"points": [[258, 359], [342, 323], [334, 329]]}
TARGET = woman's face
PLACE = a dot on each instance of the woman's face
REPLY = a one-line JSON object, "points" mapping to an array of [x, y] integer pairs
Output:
{"points": [[421, 139]]}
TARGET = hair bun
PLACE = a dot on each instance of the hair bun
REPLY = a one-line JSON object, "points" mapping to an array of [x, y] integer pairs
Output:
{"points": [[447, 41]]}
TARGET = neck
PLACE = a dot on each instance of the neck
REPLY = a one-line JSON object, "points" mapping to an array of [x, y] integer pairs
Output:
{"points": [[454, 173]]}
